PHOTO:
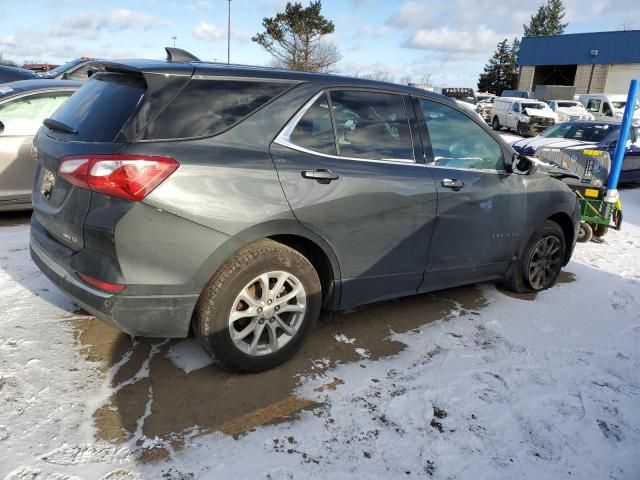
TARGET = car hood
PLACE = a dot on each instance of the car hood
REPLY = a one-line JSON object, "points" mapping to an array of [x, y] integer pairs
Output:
{"points": [[572, 111], [536, 112], [532, 144]]}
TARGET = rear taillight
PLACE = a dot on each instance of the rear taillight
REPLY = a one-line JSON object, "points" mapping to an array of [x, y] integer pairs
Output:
{"points": [[132, 177], [106, 286]]}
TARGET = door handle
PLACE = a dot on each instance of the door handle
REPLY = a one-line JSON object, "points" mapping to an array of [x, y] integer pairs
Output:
{"points": [[320, 175], [452, 183]]}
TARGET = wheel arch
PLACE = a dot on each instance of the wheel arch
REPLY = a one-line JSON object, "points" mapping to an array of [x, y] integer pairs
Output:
{"points": [[291, 233], [564, 220]]}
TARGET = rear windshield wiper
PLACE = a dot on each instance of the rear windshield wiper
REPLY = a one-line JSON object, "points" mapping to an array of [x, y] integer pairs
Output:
{"points": [[56, 125]]}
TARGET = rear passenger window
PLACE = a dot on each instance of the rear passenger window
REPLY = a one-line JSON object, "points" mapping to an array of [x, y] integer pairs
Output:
{"points": [[459, 142], [207, 107], [371, 125], [314, 131]]}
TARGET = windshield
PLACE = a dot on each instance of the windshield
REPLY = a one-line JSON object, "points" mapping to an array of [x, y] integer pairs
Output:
{"points": [[586, 132], [537, 106], [63, 68], [570, 105]]}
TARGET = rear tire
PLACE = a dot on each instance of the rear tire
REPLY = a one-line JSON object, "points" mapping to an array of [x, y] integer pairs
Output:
{"points": [[258, 308], [496, 123], [519, 129], [541, 261], [600, 230], [585, 232]]}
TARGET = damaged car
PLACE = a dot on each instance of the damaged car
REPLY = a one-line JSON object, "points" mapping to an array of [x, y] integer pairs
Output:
{"points": [[525, 116]]}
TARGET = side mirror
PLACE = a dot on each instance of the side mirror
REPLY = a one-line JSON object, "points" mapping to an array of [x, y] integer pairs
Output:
{"points": [[1, 127], [522, 165], [65, 76]]}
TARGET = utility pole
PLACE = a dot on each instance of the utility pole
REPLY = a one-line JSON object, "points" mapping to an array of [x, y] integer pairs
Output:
{"points": [[174, 41], [229, 33]]}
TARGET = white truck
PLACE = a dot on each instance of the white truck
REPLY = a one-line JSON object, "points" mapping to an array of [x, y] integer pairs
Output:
{"points": [[525, 116], [608, 106]]}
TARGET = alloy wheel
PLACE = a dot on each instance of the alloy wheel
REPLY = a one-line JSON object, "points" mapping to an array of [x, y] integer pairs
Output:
{"points": [[545, 262], [267, 313]]}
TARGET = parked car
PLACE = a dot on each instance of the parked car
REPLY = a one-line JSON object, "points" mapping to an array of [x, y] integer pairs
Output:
{"points": [[569, 110], [608, 107], [516, 94], [23, 106], [13, 74], [588, 135], [484, 108], [236, 202], [77, 69], [527, 117]]}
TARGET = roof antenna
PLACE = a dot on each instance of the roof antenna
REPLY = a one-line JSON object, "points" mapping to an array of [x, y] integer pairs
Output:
{"points": [[179, 55]]}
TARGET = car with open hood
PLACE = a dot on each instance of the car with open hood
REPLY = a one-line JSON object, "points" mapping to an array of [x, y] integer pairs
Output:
{"points": [[588, 135]]}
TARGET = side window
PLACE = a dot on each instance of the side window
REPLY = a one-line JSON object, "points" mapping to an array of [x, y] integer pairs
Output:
{"points": [[82, 74], [371, 125], [24, 115], [606, 110], [459, 142], [314, 131], [593, 106], [515, 107], [207, 107]]}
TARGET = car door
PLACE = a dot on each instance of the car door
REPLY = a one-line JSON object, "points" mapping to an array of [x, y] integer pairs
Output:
{"points": [[480, 216], [21, 116], [512, 115], [348, 169]]}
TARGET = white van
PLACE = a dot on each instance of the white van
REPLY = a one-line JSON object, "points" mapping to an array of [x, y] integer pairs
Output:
{"points": [[608, 107], [526, 116]]}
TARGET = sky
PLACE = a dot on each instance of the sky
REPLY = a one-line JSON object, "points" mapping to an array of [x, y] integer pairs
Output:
{"points": [[446, 41]]}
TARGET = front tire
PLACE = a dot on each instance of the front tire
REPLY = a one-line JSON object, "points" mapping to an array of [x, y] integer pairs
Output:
{"points": [[541, 261], [496, 123], [258, 308]]}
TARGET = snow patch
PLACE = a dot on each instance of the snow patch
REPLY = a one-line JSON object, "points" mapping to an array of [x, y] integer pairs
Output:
{"points": [[188, 355]]}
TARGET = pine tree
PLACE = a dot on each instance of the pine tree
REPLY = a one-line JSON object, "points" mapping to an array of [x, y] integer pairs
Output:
{"points": [[547, 21], [294, 38], [501, 73]]}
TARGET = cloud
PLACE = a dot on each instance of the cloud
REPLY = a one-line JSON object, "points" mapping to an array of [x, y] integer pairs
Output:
{"points": [[199, 6], [446, 39], [208, 31], [361, 3], [411, 14], [90, 24]]}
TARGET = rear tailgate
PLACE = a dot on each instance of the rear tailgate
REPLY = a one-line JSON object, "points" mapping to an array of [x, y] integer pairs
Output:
{"points": [[92, 119]]}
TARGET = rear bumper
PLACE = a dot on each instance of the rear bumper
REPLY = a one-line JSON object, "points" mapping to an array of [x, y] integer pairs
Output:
{"points": [[146, 316]]}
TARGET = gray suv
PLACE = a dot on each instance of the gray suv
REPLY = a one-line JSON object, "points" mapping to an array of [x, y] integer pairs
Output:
{"points": [[237, 202]]}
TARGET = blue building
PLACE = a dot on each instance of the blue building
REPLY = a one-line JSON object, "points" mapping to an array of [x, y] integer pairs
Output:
{"points": [[599, 62]]}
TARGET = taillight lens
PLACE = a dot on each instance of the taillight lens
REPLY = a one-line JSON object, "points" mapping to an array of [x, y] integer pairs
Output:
{"points": [[132, 177], [106, 286]]}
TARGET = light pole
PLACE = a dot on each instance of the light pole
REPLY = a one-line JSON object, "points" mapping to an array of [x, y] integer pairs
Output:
{"points": [[229, 33], [174, 41]]}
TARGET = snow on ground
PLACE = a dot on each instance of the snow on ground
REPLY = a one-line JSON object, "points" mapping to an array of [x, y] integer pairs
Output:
{"points": [[537, 387]]}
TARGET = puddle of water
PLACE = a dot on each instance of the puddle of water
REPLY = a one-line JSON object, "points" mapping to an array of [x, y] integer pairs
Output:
{"points": [[215, 400]]}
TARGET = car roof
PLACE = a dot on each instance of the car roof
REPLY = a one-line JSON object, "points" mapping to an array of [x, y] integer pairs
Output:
{"points": [[207, 69], [22, 86], [591, 122]]}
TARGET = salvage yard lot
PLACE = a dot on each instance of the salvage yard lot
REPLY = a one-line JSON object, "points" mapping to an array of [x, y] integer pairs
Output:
{"points": [[465, 383]]}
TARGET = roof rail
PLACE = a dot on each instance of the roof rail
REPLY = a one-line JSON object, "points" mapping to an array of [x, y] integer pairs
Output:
{"points": [[179, 55]]}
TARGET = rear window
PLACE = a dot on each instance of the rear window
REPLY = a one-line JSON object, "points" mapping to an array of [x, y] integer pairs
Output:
{"points": [[207, 107], [102, 106]]}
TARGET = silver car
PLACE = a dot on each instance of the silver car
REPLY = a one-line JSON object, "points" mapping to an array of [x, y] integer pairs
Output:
{"points": [[23, 107]]}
